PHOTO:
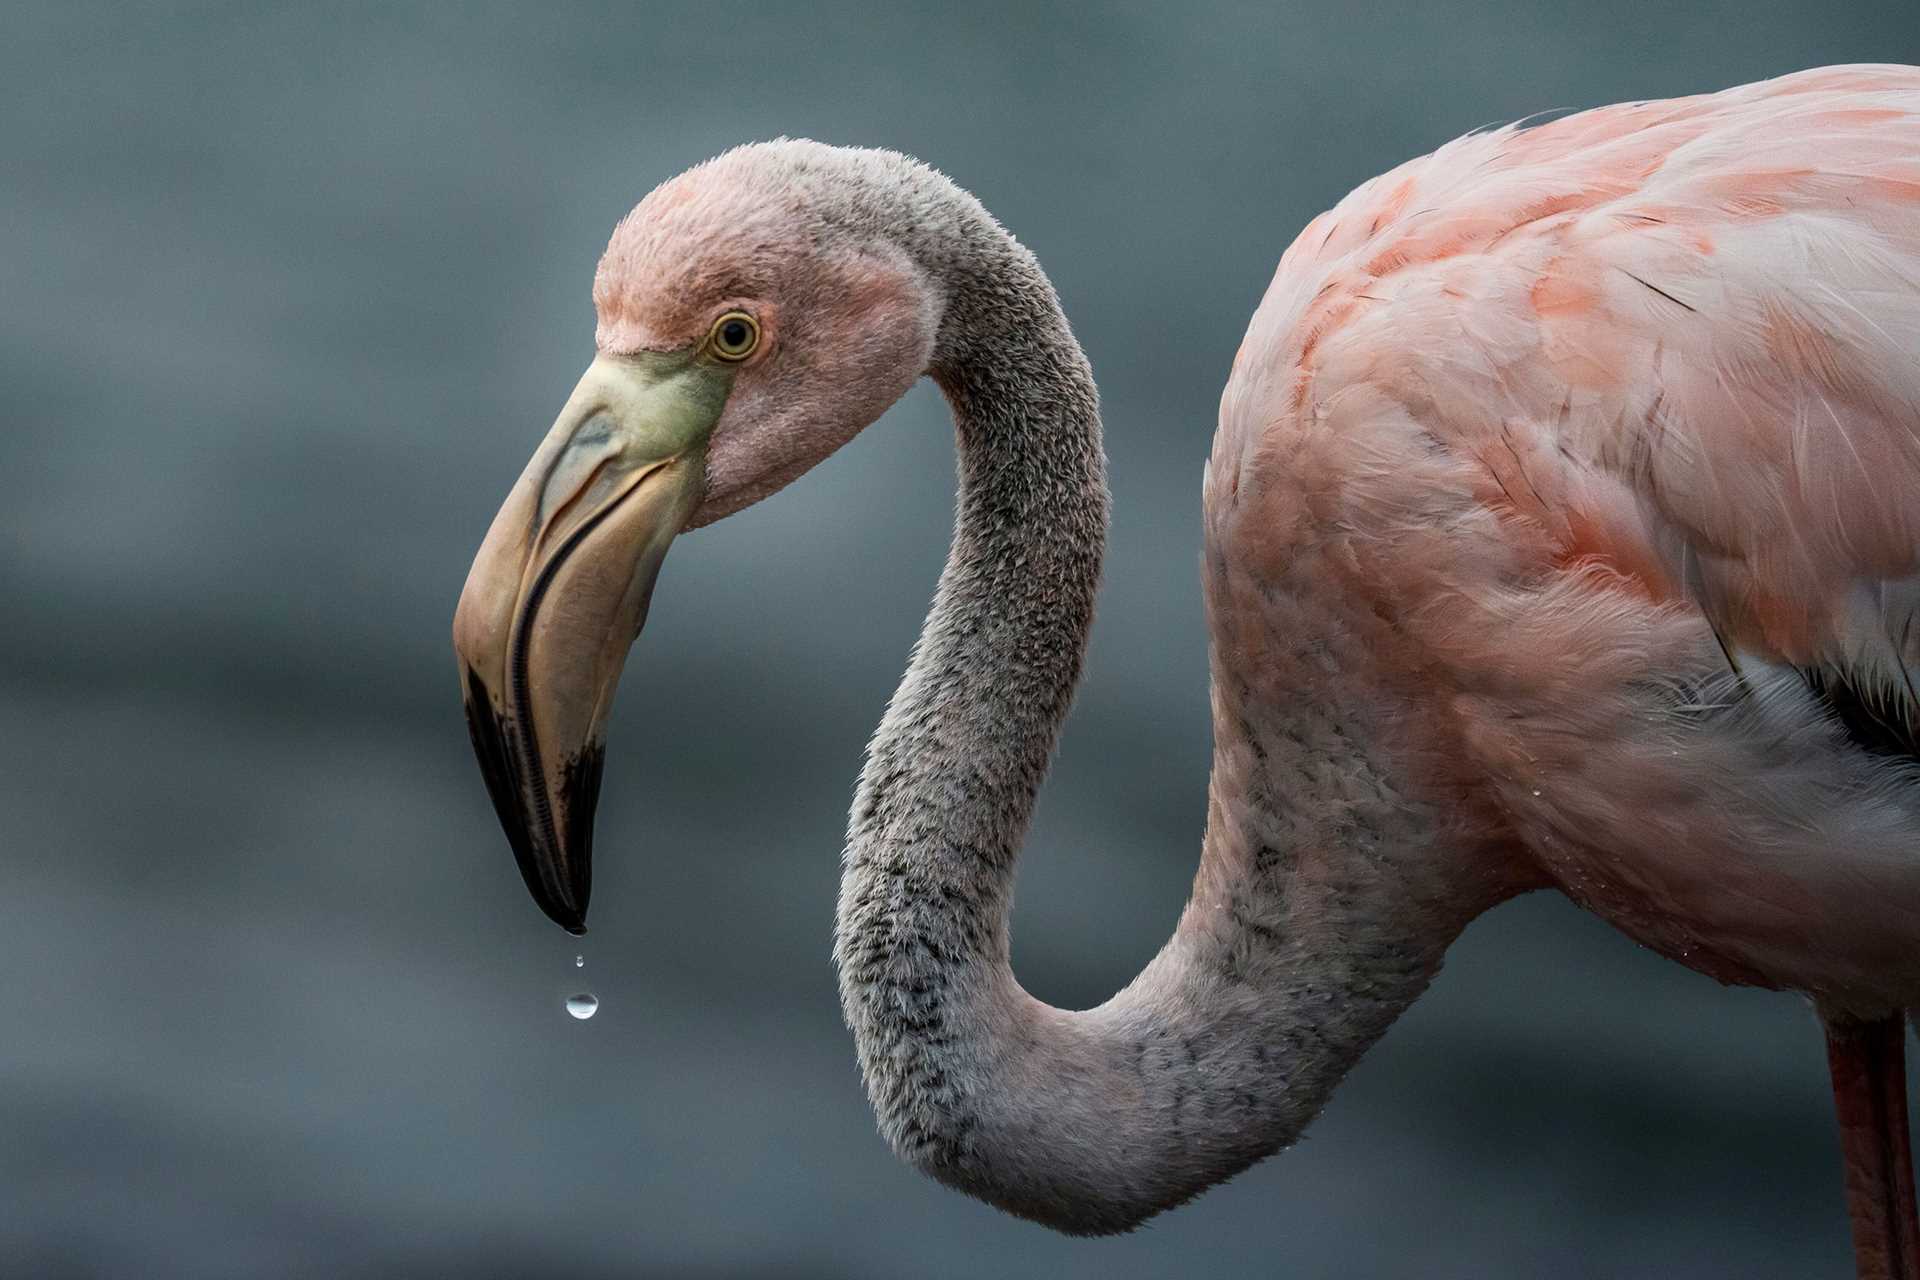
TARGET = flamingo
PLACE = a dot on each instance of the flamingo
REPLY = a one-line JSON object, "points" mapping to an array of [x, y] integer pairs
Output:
{"points": [[1561, 529]]}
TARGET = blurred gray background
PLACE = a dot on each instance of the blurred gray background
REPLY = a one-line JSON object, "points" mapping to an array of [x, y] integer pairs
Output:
{"points": [[286, 299]]}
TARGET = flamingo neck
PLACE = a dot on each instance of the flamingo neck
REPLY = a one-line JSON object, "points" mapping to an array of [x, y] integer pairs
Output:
{"points": [[1297, 949]]}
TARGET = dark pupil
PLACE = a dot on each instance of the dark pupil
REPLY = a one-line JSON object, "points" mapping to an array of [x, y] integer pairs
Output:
{"points": [[733, 334]]}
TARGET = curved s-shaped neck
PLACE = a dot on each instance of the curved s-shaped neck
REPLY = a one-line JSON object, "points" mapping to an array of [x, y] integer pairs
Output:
{"points": [[1292, 957]]}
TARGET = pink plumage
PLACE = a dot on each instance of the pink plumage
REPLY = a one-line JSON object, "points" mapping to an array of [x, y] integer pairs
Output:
{"points": [[1615, 402], [1679, 335], [1614, 424]]}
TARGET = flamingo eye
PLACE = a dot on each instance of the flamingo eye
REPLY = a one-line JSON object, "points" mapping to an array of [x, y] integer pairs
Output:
{"points": [[734, 336]]}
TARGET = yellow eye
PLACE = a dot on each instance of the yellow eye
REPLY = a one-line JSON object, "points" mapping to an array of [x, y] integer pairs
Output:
{"points": [[734, 336]]}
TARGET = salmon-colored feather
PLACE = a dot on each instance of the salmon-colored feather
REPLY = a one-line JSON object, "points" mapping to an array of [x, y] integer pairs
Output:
{"points": [[1625, 402]]}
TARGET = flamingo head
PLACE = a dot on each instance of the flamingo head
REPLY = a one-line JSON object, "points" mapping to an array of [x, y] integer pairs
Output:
{"points": [[754, 313]]}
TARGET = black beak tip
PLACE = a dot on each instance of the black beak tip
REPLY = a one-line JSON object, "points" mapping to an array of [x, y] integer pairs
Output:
{"points": [[566, 909], [572, 919], [559, 878], [569, 922], [560, 901]]}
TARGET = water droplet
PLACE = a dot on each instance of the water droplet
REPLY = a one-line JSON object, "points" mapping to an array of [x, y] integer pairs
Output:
{"points": [[584, 1005], [579, 961]]}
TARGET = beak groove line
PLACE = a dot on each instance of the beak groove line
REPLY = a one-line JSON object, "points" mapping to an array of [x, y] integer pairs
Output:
{"points": [[559, 591], [517, 659], [563, 895]]}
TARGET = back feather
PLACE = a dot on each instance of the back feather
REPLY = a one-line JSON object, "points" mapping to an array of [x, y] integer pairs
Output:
{"points": [[1681, 338]]}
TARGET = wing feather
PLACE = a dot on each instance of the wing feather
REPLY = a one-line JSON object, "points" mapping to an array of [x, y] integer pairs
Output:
{"points": [[1682, 336]]}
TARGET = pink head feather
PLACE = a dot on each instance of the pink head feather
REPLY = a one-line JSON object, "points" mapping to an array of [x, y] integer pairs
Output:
{"points": [[847, 319]]}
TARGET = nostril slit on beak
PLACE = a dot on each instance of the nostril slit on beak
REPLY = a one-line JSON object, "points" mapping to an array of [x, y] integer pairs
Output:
{"points": [[543, 519]]}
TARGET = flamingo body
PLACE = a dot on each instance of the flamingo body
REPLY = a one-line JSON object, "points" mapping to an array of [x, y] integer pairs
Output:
{"points": [[1602, 440]]}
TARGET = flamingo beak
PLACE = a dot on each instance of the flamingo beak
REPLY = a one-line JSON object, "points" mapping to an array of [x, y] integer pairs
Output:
{"points": [[559, 592]]}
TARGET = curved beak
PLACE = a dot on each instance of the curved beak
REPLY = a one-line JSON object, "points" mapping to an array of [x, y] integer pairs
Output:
{"points": [[559, 591]]}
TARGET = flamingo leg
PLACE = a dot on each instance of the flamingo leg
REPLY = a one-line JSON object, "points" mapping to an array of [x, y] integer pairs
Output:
{"points": [[1868, 1064]]}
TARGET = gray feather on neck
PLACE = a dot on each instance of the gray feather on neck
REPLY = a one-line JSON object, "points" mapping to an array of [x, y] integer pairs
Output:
{"points": [[1229, 1042]]}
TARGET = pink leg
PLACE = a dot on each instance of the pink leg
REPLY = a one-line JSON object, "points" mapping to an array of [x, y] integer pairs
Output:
{"points": [[1868, 1062]]}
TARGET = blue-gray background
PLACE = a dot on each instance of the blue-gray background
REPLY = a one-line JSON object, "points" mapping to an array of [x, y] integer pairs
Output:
{"points": [[286, 300]]}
